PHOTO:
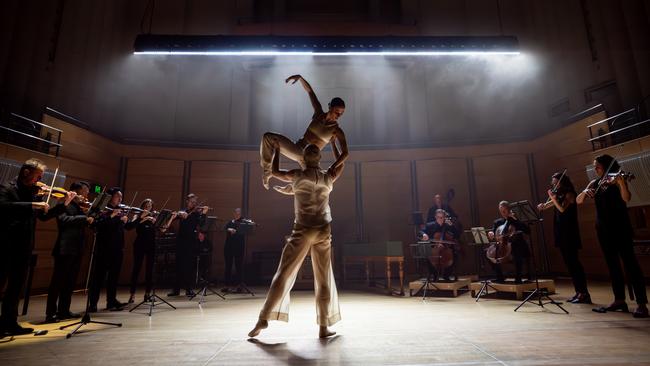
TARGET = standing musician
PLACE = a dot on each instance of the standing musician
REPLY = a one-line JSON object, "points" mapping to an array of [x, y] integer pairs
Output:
{"points": [[615, 233], [233, 250], [109, 251], [442, 229], [439, 205], [511, 230], [322, 130], [562, 198], [20, 206], [191, 218], [67, 253], [144, 248]]}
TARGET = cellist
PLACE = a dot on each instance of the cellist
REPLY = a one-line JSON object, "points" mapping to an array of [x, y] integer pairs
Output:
{"points": [[442, 229], [508, 223]]}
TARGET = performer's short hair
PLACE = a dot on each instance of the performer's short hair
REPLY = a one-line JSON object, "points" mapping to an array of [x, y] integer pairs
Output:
{"points": [[114, 190], [504, 204], [75, 186], [441, 211], [33, 164], [337, 102]]}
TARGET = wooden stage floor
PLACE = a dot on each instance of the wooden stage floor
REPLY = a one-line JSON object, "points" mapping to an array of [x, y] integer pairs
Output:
{"points": [[376, 330]]}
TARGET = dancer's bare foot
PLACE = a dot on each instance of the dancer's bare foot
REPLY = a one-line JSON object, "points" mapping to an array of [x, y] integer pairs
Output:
{"points": [[288, 189], [324, 332], [261, 324]]}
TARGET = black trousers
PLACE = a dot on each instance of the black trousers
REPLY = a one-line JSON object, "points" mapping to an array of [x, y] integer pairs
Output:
{"points": [[107, 267], [574, 266], [140, 254], [64, 277], [233, 254], [185, 269], [617, 248], [13, 271]]}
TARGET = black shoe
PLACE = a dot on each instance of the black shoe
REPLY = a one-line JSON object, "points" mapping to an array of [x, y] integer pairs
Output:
{"points": [[581, 299], [92, 309], [51, 319], [146, 296], [572, 299], [641, 313], [518, 281], [622, 307], [69, 315], [115, 307], [190, 293], [174, 293], [131, 299], [15, 330]]}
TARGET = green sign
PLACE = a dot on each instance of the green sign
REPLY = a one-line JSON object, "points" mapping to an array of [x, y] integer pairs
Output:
{"points": [[98, 189]]}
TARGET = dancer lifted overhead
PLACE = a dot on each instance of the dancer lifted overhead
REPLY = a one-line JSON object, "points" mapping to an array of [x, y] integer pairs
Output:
{"points": [[322, 130], [311, 234]]}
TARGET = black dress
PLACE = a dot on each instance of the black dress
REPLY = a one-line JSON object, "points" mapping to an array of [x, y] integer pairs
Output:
{"points": [[615, 235], [566, 232]]}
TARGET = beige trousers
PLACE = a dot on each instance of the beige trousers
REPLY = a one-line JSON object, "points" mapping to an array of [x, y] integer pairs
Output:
{"points": [[315, 241], [288, 148]]}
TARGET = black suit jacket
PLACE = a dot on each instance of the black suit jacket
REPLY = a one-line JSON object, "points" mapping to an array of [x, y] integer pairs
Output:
{"points": [[71, 224], [18, 218]]}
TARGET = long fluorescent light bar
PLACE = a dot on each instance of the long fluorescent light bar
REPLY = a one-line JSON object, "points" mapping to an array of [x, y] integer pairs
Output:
{"points": [[149, 44]]}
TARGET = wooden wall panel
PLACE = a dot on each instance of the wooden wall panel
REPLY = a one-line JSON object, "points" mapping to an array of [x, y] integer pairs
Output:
{"points": [[386, 192], [218, 185]]}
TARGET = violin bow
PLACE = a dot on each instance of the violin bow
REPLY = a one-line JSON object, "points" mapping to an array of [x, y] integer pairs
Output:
{"points": [[49, 195]]}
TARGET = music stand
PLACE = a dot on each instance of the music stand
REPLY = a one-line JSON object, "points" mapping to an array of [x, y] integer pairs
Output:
{"points": [[98, 205], [210, 226], [247, 228], [524, 212], [154, 300], [478, 237]]}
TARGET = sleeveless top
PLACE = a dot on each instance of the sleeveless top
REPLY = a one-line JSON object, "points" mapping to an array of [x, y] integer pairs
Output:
{"points": [[312, 189], [322, 130]]}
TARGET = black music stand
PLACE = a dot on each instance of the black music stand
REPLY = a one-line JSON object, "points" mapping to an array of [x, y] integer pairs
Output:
{"points": [[420, 251], [479, 238], [524, 212], [201, 278], [99, 204], [154, 300], [246, 227]]}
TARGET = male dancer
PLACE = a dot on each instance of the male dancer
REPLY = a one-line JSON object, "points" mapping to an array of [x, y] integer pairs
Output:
{"points": [[311, 234], [322, 130]]}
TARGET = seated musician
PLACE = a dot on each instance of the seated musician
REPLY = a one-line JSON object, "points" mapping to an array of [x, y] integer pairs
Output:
{"points": [[509, 226], [442, 229]]}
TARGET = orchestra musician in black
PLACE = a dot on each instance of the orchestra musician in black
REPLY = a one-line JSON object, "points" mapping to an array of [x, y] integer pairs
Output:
{"points": [[191, 218], [109, 251], [144, 248], [67, 253], [615, 233], [439, 205], [233, 250], [566, 232], [442, 229], [513, 230], [20, 206]]}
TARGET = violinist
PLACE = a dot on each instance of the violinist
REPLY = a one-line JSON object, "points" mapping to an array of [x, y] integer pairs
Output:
{"points": [[442, 229], [233, 250], [191, 219], [144, 247], [615, 233], [20, 206], [511, 229], [67, 253], [566, 232], [109, 251]]}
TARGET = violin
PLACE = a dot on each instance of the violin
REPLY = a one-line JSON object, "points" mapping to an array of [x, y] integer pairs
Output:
{"points": [[44, 189]]}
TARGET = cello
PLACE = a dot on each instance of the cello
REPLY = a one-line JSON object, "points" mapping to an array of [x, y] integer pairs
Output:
{"points": [[442, 254]]}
